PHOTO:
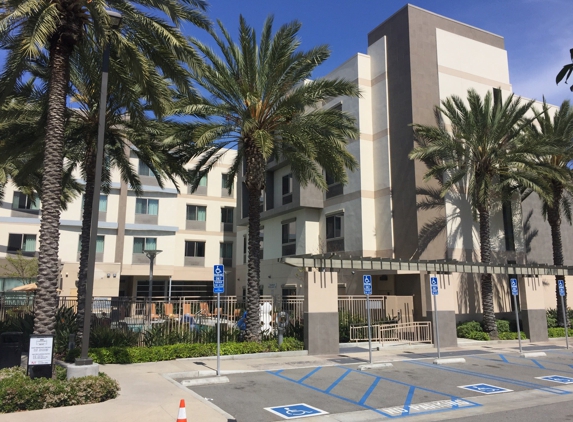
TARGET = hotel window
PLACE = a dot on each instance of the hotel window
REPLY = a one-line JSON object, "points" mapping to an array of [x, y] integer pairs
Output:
{"points": [[22, 201], [99, 244], [146, 206], [226, 250], [335, 233], [103, 203], [26, 243], [203, 181], [144, 169], [289, 238], [334, 188], [287, 188], [144, 243], [195, 249], [225, 181], [196, 213], [227, 215]]}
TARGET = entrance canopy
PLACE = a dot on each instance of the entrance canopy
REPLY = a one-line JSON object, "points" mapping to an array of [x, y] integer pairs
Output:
{"points": [[333, 261]]}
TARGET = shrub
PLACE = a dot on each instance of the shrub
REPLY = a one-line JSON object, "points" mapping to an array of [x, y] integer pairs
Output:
{"points": [[557, 332], [345, 320], [511, 336], [478, 335], [124, 355], [18, 392], [503, 326], [552, 318], [66, 324], [108, 337], [465, 329]]}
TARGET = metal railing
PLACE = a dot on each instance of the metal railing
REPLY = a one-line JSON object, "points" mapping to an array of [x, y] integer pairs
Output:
{"points": [[15, 304], [409, 332]]}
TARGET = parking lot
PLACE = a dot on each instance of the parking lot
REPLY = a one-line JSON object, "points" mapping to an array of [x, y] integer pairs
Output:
{"points": [[414, 387]]}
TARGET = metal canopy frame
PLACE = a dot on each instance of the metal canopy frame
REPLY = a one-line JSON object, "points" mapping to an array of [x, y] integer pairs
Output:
{"points": [[333, 261]]}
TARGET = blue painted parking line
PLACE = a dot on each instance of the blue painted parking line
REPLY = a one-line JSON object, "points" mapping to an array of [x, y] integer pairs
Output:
{"points": [[536, 362], [525, 384], [453, 403]]}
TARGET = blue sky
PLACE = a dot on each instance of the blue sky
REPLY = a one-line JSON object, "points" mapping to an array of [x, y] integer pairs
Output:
{"points": [[538, 33]]}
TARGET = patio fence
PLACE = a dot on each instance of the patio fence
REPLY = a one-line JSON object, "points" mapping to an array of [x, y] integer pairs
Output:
{"points": [[410, 332]]}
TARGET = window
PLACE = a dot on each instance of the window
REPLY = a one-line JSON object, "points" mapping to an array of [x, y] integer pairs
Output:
{"points": [[226, 181], [196, 213], [22, 242], [335, 233], [103, 203], [226, 250], [289, 238], [144, 170], [203, 181], [144, 243], [334, 187], [227, 215], [146, 206], [99, 244], [196, 249], [508, 226], [22, 201], [287, 189]]}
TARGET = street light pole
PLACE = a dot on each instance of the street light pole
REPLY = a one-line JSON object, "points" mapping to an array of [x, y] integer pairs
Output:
{"points": [[151, 254], [115, 22]]}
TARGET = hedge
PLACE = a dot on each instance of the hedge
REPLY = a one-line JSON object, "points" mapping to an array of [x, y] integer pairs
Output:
{"points": [[122, 355], [557, 332], [18, 392], [474, 331]]}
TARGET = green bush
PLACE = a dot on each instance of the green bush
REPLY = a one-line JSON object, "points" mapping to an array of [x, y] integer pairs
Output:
{"points": [[511, 336], [465, 329], [18, 392], [478, 335], [557, 332], [345, 320], [503, 326], [552, 318], [124, 355], [108, 337], [66, 324]]}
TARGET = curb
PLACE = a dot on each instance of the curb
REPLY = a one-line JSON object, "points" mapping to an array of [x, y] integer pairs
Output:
{"points": [[445, 361], [204, 381], [375, 366], [293, 353]]}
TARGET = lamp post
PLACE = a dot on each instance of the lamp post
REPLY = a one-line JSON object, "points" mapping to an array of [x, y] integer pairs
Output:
{"points": [[151, 254], [114, 23]]}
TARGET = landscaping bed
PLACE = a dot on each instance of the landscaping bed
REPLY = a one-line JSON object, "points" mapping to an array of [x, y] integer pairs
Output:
{"points": [[18, 392]]}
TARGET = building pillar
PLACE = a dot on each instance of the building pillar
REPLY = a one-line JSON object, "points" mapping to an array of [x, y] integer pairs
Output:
{"points": [[446, 301], [532, 308], [321, 332]]}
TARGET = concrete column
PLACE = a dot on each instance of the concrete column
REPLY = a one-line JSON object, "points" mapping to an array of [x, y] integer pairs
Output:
{"points": [[446, 301], [532, 304], [321, 335]]}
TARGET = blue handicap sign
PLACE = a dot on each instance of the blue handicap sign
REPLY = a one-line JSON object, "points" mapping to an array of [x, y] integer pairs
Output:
{"points": [[434, 290], [485, 388], [294, 411], [514, 288], [433, 281], [218, 270], [434, 286], [561, 291], [367, 284], [561, 286], [218, 278], [557, 378]]}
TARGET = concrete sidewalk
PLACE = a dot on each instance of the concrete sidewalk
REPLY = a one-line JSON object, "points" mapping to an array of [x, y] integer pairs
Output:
{"points": [[149, 394]]}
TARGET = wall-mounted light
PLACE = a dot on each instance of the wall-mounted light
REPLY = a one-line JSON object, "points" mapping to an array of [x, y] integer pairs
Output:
{"points": [[108, 275]]}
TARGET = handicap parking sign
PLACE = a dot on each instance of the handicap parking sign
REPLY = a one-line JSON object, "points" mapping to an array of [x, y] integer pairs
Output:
{"points": [[484, 388], [295, 411], [561, 286], [434, 285], [557, 378], [514, 289], [367, 284]]}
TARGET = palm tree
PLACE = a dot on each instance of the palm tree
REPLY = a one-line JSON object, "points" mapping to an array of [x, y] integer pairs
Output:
{"points": [[559, 131], [28, 27], [262, 103], [481, 155]]}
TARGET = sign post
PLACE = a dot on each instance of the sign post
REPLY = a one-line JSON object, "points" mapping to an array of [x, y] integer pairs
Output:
{"points": [[367, 284], [434, 288], [218, 287], [561, 286], [514, 293]]}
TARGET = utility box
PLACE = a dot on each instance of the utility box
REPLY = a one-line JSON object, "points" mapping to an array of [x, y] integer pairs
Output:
{"points": [[11, 349]]}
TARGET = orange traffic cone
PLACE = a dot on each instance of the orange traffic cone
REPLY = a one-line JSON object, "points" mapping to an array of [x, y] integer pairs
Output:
{"points": [[182, 416]]}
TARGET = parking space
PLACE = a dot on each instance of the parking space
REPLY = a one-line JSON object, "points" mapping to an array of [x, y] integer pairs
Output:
{"points": [[410, 387]]}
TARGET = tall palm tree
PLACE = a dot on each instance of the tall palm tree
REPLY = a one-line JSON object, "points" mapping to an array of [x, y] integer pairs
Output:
{"points": [[28, 27], [481, 154], [262, 103], [559, 131]]}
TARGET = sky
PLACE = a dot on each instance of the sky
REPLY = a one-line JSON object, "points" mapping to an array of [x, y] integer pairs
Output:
{"points": [[538, 33]]}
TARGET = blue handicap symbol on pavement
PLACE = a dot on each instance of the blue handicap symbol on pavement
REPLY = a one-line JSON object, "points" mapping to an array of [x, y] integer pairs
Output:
{"points": [[294, 411], [557, 378], [485, 388]]}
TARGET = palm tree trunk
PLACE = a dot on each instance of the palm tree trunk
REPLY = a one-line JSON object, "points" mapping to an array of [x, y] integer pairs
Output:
{"points": [[486, 279], [254, 181], [86, 229], [554, 220], [48, 264]]}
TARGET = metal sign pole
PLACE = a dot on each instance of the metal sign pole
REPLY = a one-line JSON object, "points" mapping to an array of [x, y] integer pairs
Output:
{"points": [[565, 323], [517, 321], [218, 334], [369, 329], [437, 326]]}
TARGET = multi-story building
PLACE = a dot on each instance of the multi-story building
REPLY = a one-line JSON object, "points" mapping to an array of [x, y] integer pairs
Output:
{"points": [[414, 60], [193, 231]]}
